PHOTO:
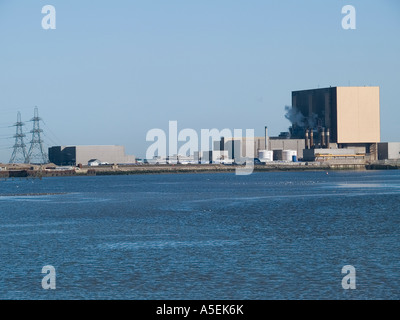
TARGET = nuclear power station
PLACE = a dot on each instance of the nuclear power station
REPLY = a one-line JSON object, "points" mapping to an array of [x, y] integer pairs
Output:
{"points": [[328, 124], [335, 124]]}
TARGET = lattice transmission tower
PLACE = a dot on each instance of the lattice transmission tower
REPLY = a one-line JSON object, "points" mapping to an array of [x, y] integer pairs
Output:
{"points": [[36, 153], [19, 154]]}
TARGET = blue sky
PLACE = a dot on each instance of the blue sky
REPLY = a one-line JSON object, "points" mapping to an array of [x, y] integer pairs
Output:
{"points": [[112, 70]]}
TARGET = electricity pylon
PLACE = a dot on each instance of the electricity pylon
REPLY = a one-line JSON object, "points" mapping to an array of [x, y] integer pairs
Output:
{"points": [[36, 152], [19, 154]]}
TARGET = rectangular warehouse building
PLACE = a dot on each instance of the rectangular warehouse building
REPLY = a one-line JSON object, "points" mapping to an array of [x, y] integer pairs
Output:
{"points": [[74, 155], [351, 114], [337, 118], [389, 151]]}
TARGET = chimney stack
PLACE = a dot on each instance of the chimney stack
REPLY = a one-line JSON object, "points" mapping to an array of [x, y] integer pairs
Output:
{"points": [[307, 140], [266, 139], [327, 138], [311, 139], [323, 144]]}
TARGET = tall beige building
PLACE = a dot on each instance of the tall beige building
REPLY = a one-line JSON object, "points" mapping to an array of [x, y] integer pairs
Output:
{"points": [[352, 114]]}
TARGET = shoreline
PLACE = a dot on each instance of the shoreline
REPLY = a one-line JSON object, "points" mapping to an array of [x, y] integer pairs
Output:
{"points": [[21, 171]]}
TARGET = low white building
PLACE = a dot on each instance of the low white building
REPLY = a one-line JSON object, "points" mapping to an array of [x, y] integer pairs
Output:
{"points": [[389, 151], [94, 162]]}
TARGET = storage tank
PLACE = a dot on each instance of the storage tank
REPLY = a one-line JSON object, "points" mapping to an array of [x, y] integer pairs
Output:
{"points": [[265, 155], [287, 155]]}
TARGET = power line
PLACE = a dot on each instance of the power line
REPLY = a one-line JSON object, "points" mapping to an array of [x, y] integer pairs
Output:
{"points": [[48, 129], [51, 140]]}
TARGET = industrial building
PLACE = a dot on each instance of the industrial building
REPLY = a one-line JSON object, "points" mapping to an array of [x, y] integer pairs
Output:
{"points": [[236, 148], [278, 145], [389, 151], [74, 155], [337, 118], [333, 123], [261, 147], [328, 124]]}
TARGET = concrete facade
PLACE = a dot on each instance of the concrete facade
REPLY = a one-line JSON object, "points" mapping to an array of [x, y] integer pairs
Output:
{"points": [[389, 151], [74, 155], [358, 115], [332, 154], [288, 144]]}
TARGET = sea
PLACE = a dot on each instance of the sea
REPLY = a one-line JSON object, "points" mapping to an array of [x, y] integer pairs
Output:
{"points": [[267, 236]]}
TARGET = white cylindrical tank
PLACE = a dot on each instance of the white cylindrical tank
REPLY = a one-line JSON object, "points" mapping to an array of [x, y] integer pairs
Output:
{"points": [[287, 155], [265, 155]]}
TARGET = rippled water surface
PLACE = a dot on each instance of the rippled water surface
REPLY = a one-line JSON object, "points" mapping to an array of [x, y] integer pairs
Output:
{"points": [[205, 236]]}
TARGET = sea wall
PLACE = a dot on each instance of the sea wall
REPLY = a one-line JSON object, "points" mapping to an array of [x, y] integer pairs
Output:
{"points": [[181, 169]]}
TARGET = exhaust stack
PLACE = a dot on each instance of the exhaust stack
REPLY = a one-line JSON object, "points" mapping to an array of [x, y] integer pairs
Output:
{"points": [[307, 140], [327, 138], [323, 145], [266, 139]]}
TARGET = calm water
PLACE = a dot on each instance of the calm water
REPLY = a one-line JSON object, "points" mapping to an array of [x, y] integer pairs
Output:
{"points": [[205, 236]]}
